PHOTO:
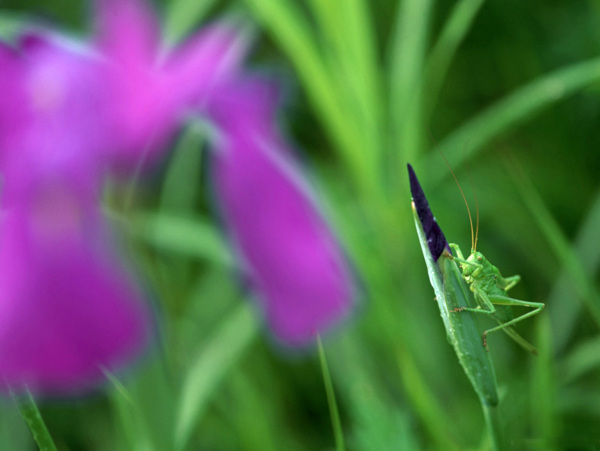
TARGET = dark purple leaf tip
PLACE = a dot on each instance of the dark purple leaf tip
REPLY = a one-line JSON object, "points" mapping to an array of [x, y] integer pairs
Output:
{"points": [[435, 237]]}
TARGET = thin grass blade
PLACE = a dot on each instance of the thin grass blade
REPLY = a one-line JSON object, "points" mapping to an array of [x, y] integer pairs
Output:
{"points": [[409, 47], [336, 423], [451, 37], [470, 138], [289, 27], [558, 242], [192, 237], [587, 249], [183, 15], [210, 366], [32, 416]]}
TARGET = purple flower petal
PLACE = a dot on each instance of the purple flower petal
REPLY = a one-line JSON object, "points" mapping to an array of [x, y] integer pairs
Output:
{"points": [[51, 118], [291, 256], [68, 314], [150, 90], [128, 31]]}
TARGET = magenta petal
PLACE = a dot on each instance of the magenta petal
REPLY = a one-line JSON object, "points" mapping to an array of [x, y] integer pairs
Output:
{"points": [[67, 314], [150, 91], [12, 106], [209, 57], [51, 116], [291, 256], [128, 30]]}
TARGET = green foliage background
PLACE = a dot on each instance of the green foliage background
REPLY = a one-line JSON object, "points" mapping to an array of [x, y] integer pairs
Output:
{"points": [[510, 91]]}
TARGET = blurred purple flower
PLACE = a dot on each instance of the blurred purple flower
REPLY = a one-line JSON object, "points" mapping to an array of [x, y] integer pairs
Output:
{"points": [[68, 313], [151, 88], [290, 255], [69, 113]]}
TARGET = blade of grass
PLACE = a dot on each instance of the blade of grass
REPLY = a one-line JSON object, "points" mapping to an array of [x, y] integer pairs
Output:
{"points": [[14, 433], [210, 366], [10, 24], [32, 416], [130, 419], [544, 412], [378, 420], [515, 108], [183, 15], [581, 360], [333, 409], [191, 237], [492, 422], [361, 37], [452, 35], [289, 27], [267, 430], [587, 249], [425, 403], [558, 242], [409, 46], [350, 51], [181, 183]]}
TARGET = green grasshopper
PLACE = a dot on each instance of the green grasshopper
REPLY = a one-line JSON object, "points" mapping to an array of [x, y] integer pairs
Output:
{"points": [[491, 289]]}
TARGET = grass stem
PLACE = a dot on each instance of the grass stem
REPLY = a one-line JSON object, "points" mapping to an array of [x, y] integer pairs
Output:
{"points": [[333, 410], [32, 416]]}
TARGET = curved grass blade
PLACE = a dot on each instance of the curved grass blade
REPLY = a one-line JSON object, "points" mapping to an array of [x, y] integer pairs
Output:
{"points": [[409, 46], [510, 111], [587, 248], [215, 359], [583, 283], [182, 15], [452, 35], [333, 409], [130, 420], [33, 418], [291, 29], [191, 237], [351, 54]]}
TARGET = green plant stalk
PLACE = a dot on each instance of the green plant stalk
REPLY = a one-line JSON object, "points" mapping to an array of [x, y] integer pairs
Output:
{"points": [[333, 410], [492, 422], [35, 422]]}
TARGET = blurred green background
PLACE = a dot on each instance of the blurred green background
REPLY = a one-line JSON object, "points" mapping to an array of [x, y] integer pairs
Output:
{"points": [[510, 92]]}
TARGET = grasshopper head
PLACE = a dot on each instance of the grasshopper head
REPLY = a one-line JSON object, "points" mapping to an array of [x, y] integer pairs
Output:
{"points": [[477, 259]]}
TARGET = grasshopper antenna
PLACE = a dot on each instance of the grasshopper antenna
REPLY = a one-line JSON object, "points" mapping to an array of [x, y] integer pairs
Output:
{"points": [[462, 193], [477, 218], [476, 204]]}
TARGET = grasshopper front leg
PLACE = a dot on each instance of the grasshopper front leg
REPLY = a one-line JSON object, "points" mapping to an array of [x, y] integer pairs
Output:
{"points": [[459, 254]]}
